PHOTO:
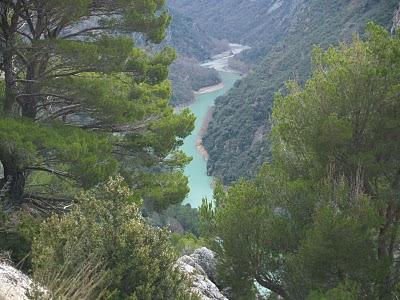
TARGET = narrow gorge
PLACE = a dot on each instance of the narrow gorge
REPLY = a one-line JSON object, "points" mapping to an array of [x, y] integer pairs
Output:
{"points": [[199, 182]]}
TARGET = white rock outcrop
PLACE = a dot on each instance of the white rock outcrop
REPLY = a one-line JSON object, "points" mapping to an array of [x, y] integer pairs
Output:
{"points": [[200, 266], [14, 285]]}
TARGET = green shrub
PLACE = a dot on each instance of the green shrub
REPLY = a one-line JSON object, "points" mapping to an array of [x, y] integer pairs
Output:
{"points": [[186, 244], [106, 223], [16, 235]]}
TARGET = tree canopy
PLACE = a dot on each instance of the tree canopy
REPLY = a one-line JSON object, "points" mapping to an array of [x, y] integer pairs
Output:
{"points": [[81, 102], [322, 220]]}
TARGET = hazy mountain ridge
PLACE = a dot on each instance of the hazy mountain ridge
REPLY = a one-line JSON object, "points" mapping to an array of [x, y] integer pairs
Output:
{"points": [[237, 137], [193, 45], [189, 40], [258, 23]]}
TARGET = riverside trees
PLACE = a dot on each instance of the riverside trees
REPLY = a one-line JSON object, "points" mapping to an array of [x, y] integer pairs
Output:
{"points": [[80, 101], [322, 221]]}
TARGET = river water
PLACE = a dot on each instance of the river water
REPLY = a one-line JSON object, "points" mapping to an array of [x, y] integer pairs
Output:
{"points": [[200, 184]]}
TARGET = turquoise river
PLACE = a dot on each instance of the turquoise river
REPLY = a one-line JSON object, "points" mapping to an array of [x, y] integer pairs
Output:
{"points": [[199, 182]]}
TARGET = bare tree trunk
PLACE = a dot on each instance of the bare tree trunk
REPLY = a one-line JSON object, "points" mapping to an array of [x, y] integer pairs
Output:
{"points": [[18, 179], [8, 27]]}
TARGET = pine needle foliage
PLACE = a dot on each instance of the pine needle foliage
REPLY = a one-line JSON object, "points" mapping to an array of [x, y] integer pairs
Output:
{"points": [[322, 220], [80, 101]]}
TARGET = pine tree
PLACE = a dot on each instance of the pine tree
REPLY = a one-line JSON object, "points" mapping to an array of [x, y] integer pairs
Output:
{"points": [[322, 220], [81, 101]]}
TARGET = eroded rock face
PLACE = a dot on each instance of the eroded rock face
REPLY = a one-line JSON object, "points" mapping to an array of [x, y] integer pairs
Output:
{"points": [[205, 258], [396, 20], [14, 285], [200, 266]]}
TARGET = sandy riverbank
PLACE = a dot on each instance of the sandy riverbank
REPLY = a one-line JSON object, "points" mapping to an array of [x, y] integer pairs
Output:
{"points": [[201, 149], [209, 89], [204, 90]]}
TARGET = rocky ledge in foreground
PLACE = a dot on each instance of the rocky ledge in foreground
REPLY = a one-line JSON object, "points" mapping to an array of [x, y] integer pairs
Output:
{"points": [[14, 285], [200, 266]]}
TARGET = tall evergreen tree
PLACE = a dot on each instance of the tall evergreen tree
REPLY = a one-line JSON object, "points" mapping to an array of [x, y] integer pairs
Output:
{"points": [[322, 221], [81, 101]]}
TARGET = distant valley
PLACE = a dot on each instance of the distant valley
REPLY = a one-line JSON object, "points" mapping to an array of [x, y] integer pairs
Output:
{"points": [[282, 35]]}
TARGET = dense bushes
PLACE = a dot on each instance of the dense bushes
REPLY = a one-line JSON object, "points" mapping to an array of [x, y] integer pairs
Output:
{"points": [[105, 224]]}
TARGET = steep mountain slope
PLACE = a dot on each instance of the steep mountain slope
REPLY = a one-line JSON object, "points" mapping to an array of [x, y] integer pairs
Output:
{"points": [[190, 40], [237, 138], [187, 76], [258, 23], [193, 45]]}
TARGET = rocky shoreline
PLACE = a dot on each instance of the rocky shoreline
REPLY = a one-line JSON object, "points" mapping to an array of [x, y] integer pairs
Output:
{"points": [[209, 89], [201, 269], [199, 140]]}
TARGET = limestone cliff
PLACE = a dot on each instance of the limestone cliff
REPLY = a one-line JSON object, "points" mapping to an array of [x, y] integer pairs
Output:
{"points": [[14, 285], [200, 267], [396, 20]]}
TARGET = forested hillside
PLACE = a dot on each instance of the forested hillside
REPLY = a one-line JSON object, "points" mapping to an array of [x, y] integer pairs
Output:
{"points": [[191, 40], [237, 138], [259, 23], [187, 76], [193, 45]]}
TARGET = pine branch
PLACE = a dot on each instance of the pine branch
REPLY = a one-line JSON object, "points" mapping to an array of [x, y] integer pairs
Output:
{"points": [[67, 36], [273, 286], [47, 205], [116, 128], [67, 110], [51, 171]]}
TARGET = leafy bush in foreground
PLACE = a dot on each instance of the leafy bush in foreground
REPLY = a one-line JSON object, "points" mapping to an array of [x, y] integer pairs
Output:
{"points": [[106, 223]]}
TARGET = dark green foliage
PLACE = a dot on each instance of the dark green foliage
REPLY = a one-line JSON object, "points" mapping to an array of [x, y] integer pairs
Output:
{"points": [[322, 220], [81, 102], [106, 224], [186, 244], [187, 76], [185, 215], [25, 141], [177, 218], [346, 291], [189, 40], [16, 236], [238, 137]]}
